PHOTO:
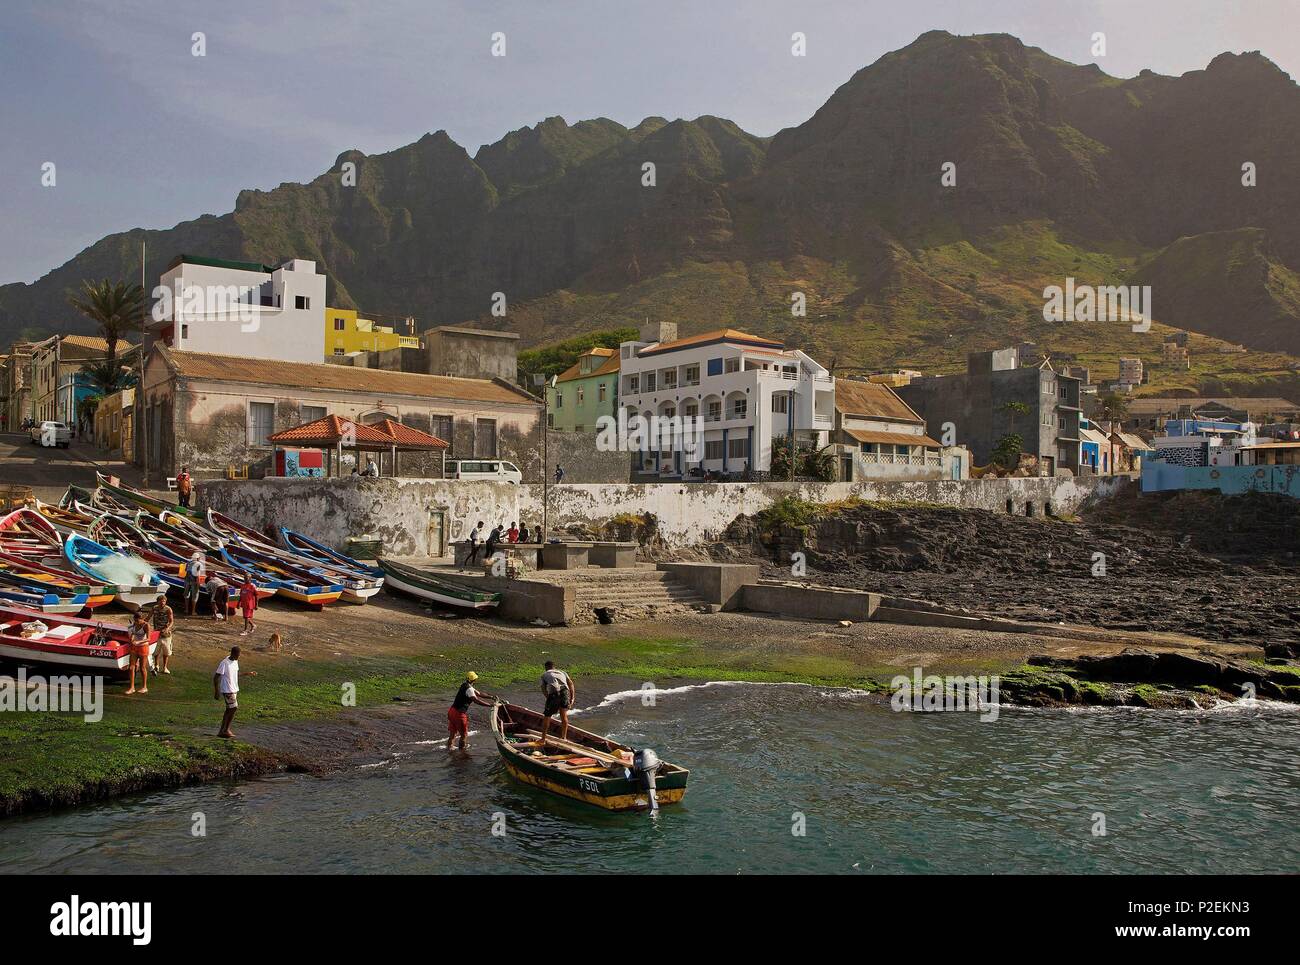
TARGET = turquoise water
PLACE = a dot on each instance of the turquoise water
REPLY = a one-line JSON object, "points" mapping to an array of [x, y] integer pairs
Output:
{"points": [[878, 791]]}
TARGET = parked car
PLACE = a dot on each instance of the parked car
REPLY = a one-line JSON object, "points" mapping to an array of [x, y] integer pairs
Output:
{"points": [[51, 434], [490, 470]]}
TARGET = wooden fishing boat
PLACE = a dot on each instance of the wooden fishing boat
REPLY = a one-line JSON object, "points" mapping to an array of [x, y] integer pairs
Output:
{"points": [[67, 641], [358, 587], [136, 583], [15, 590], [306, 546], [401, 578], [25, 531], [115, 488], [72, 518], [585, 766], [290, 582], [37, 576]]}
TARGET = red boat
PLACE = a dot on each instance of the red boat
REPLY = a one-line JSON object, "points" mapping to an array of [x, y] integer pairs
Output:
{"points": [[66, 641]]}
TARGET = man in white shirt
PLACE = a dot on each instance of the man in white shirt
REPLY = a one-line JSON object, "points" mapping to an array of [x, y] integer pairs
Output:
{"points": [[225, 686]]}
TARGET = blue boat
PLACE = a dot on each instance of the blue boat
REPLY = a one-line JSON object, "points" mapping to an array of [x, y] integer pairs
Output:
{"points": [[135, 583]]}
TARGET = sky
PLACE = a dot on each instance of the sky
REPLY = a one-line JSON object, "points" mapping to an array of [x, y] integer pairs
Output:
{"points": [[142, 133]]}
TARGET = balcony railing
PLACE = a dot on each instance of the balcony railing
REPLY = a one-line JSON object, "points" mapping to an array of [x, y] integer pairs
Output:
{"points": [[896, 459]]}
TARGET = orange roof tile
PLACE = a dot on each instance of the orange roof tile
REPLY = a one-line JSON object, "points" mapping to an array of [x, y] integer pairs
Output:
{"points": [[717, 335], [611, 364], [872, 399], [344, 378]]}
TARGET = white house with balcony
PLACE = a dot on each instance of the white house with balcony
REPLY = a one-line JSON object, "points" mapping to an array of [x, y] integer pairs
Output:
{"points": [[748, 390], [243, 309]]}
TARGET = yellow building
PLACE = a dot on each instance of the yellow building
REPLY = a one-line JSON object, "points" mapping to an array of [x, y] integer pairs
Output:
{"points": [[345, 333]]}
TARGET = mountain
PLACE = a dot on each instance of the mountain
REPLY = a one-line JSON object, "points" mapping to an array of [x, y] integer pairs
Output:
{"points": [[1061, 171]]}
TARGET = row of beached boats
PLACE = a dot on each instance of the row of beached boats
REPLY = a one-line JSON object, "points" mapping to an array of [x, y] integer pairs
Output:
{"points": [[115, 544]]}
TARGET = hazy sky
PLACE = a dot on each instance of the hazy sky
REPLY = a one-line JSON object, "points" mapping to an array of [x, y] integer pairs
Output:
{"points": [[145, 134]]}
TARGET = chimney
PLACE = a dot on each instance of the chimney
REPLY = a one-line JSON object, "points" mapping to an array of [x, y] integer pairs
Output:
{"points": [[658, 331]]}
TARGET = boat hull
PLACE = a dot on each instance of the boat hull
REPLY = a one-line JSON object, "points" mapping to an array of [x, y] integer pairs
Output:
{"points": [[412, 583], [513, 729]]}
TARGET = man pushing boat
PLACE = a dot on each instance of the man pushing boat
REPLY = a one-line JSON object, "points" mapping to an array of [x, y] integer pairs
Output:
{"points": [[558, 689], [458, 712]]}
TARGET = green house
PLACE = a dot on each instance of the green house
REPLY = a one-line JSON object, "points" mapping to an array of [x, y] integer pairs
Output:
{"points": [[584, 392]]}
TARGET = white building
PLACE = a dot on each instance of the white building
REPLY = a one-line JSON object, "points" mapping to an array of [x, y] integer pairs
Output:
{"points": [[748, 390], [241, 308]]}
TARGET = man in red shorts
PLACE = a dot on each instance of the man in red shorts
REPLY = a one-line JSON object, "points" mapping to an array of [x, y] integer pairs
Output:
{"points": [[458, 712]]}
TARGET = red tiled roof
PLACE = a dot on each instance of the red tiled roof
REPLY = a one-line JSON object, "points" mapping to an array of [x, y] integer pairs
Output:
{"points": [[332, 430], [717, 335]]}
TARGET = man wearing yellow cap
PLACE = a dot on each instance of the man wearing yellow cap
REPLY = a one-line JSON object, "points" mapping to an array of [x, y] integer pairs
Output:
{"points": [[458, 712]]}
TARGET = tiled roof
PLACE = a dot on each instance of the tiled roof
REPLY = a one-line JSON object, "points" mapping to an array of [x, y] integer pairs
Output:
{"points": [[717, 335], [611, 364], [342, 378], [333, 429], [872, 399], [896, 438]]}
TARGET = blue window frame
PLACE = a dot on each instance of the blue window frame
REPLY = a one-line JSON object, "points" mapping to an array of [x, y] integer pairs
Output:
{"points": [[715, 366]]}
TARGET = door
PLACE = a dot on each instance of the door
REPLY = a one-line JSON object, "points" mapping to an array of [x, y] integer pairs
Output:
{"points": [[437, 531]]}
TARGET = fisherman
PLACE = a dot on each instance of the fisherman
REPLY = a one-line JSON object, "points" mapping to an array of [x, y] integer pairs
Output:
{"points": [[558, 689], [225, 686], [184, 486], [219, 595], [193, 577], [139, 651], [475, 537], [458, 712], [164, 621]]}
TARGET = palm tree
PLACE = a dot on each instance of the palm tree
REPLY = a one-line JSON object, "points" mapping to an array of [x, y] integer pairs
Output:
{"points": [[107, 376], [114, 308], [1113, 408]]}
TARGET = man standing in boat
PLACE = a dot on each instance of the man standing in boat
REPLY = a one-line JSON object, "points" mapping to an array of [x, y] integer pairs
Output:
{"points": [[458, 712], [558, 689]]}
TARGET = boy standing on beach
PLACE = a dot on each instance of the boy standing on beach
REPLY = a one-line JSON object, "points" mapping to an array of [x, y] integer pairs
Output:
{"points": [[247, 604], [164, 621]]}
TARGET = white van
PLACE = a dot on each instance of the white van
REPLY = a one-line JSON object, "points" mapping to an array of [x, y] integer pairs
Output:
{"points": [[490, 470]]}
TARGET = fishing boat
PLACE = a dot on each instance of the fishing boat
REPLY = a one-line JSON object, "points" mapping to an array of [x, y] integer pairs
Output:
{"points": [[39, 577], [415, 582], [290, 582], [73, 518], [358, 587], [306, 546], [66, 641], [137, 583], [25, 532], [19, 591], [115, 489], [584, 766]]}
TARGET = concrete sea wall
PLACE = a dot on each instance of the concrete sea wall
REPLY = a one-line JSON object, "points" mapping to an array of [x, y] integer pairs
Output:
{"points": [[407, 513]]}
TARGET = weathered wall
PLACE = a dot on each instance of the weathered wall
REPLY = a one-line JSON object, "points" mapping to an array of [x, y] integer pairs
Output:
{"points": [[583, 462], [400, 510]]}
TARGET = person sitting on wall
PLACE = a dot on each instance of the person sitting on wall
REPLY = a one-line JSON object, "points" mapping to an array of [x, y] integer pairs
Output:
{"points": [[371, 470], [512, 534]]}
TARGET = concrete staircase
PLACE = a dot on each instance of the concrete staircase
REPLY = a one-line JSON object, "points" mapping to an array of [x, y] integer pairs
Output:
{"points": [[640, 593]]}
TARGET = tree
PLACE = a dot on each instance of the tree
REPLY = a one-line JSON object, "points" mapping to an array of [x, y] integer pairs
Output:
{"points": [[1008, 449], [810, 463], [1113, 408], [107, 376], [553, 359], [114, 308]]}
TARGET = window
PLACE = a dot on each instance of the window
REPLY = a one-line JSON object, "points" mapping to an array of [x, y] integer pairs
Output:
{"points": [[441, 426], [691, 410], [633, 384], [715, 366], [692, 375], [340, 325], [715, 412], [485, 437], [669, 378], [738, 448], [559, 399], [301, 302], [339, 351], [600, 392], [649, 381], [579, 428], [582, 395], [739, 409], [732, 364], [261, 422], [550, 420], [185, 331], [712, 448], [780, 403], [310, 413]]}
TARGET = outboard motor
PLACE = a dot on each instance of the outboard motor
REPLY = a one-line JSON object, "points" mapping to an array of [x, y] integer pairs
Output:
{"points": [[646, 763]]}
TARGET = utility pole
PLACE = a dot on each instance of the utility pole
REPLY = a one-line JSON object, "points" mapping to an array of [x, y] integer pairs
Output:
{"points": [[142, 434], [546, 462]]}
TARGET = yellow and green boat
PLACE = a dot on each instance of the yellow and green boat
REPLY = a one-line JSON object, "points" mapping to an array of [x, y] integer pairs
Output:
{"points": [[585, 766]]}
